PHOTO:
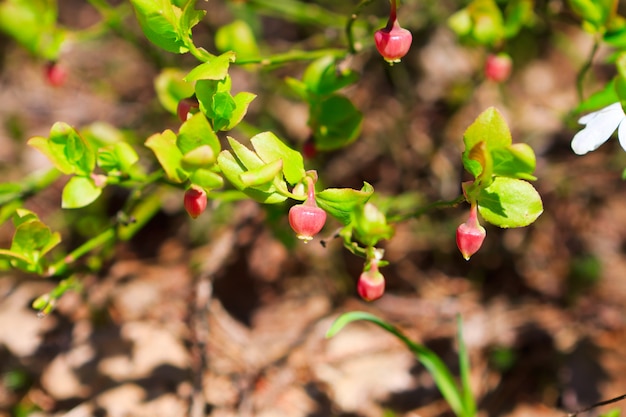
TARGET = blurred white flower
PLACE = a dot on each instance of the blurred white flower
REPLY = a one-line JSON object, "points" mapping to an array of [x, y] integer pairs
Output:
{"points": [[599, 126]]}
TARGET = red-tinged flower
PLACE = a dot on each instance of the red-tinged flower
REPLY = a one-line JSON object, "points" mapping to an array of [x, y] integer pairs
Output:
{"points": [[183, 110], [393, 42], [498, 67], [470, 235], [55, 74], [195, 201], [371, 284], [307, 219]]}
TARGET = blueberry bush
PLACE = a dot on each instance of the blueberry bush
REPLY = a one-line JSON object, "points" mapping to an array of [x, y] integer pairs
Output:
{"points": [[213, 140]]}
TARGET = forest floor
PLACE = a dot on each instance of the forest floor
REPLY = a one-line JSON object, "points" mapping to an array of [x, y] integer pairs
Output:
{"points": [[219, 317]]}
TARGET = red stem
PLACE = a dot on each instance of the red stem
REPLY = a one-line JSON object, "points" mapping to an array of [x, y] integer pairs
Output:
{"points": [[392, 15]]}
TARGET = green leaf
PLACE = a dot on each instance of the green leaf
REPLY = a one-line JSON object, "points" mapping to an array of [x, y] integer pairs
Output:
{"points": [[270, 148], [248, 158], [201, 157], [242, 100], [232, 168], [190, 18], [599, 99], [490, 128], [196, 132], [66, 149], [488, 25], [263, 175], [298, 87], [206, 179], [238, 37], [171, 88], [79, 192], [517, 14], [515, 161], [336, 122], [510, 202], [322, 77], [219, 106], [469, 404], [33, 25], [214, 69], [370, 225], [164, 147], [159, 20], [117, 157], [429, 359], [341, 202], [31, 241], [222, 107]]}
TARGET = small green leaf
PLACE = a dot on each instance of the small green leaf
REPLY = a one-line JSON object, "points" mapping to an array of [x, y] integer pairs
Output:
{"points": [[510, 202], [200, 157], [206, 179], [219, 106], [263, 175], [248, 158], [232, 168], [222, 107], [322, 77], [242, 100], [517, 14], [196, 132], [336, 122], [341, 202], [599, 99], [117, 157], [66, 149], [171, 88], [32, 239], [159, 20], [164, 147], [515, 161], [370, 225], [214, 69], [298, 87], [190, 17], [34, 25], [79, 192], [238, 37], [489, 128], [461, 22], [270, 148]]}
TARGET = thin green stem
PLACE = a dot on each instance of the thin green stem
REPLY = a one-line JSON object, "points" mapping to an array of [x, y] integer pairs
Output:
{"points": [[31, 185], [62, 265], [425, 209], [350, 23], [580, 78], [292, 56], [199, 53]]}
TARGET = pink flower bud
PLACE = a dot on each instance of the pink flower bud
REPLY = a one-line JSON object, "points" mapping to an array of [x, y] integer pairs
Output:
{"points": [[371, 285], [498, 67], [184, 107], [393, 42], [307, 219], [55, 74], [470, 235], [195, 201]]}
